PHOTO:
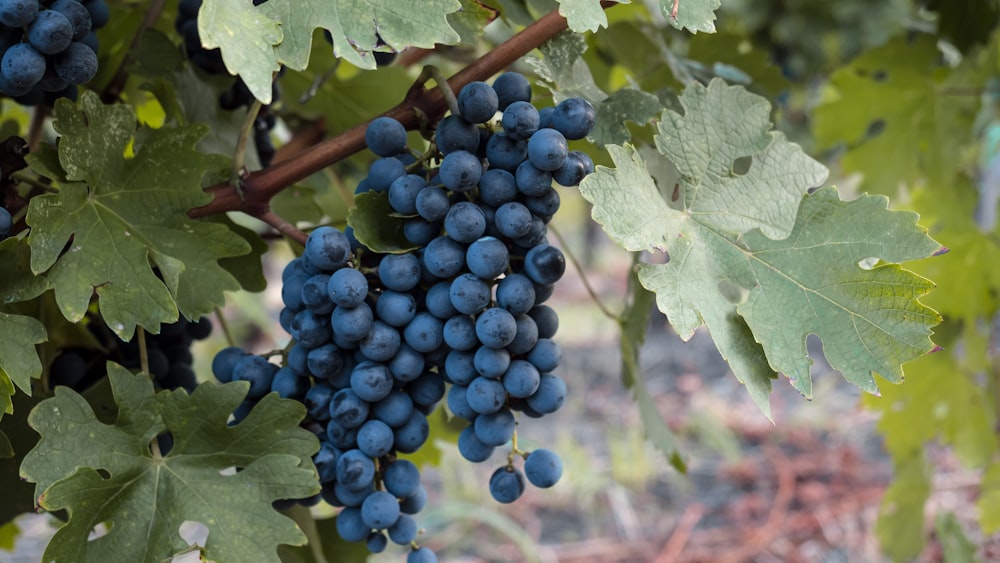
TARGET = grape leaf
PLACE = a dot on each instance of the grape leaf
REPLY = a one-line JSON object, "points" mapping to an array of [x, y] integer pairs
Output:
{"points": [[109, 473], [376, 224], [955, 546], [565, 71], [693, 15], [900, 526], [470, 20], [125, 216], [255, 40], [17, 497], [19, 362], [758, 296], [584, 15], [627, 104]]}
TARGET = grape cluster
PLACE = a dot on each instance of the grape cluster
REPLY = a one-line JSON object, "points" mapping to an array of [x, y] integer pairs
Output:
{"points": [[380, 339], [168, 355], [48, 47], [237, 95]]}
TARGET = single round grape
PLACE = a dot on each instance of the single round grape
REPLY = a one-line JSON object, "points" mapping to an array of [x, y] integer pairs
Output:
{"points": [[551, 394], [477, 102], [495, 429], [419, 232], [465, 222], [427, 389], [18, 13], [352, 323], [521, 380], [516, 294], [487, 257], [100, 13], [22, 67], [411, 436], [352, 497], [385, 136], [347, 287], [355, 470], [375, 438], [526, 338], [485, 395], [399, 272], [530, 180], [51, 32], [456, 134], [460, 171], [520, 120], [225, 361], [507, 484], [288, 385], [415, 502], [343, 438], [404, 530], [77, 15], [497, 187], [348, 409], [350, 526], [438, 301], [381, 343], [77, 64], [371, 381], [471, 447], [574, 169], [469, 294], [432, 203], [258, 372], [496, 327], [506, 153], [460, 332], [314, 294], [513, 220], [545, 355], [396, 308], [327, 248], [546, 319], [458, 404], [545, 204], [317, 401], [444, 257], [407, 365], [547, 149], [544, 264], [574, 118], [402, 478], [511, 87], [403, 193], [543, 468], [425, 333], [422, 554], [326, 462], [383, 172], [311, 330], [491, 362], [377, 542], [394, 409]]}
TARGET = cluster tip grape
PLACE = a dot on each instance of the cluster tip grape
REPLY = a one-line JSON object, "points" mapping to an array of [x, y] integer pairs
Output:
{"points": [[379, 340]]}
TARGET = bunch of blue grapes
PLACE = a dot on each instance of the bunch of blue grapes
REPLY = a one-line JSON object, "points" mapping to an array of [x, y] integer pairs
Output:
{"points": [[48, 47], [379, 340]]}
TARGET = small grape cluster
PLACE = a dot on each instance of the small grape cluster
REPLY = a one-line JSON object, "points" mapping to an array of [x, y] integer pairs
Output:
{"points": [[48, 47], [237, 95], [380, 339], [168, 355]]}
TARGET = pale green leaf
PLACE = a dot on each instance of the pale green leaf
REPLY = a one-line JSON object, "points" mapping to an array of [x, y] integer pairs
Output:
{"points": [[584, 15], [954, 544], [627, 104], [567, 74], [246, 35], [126, 216], [900, 526], [110, 473], [693, 15]]}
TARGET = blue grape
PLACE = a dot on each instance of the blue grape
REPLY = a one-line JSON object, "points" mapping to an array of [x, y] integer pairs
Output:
{"points": [[496, 327], [100, 14], [469, 294], [526, 338], [530, 180], [291, 290], [427, 390], [407, 364], [377, 542], [404, 530], [298, 359], [471, 447], [511, 87], [477, 102], [487, 257], [371, 381], [399, 272], [327, 248], [402, 478], [458, 404], [22, 67], [415, 502], [438, 301], [520, 120], [547, 149], [544, 264], [326, 462], [289, 385], [495, 429], [574, 118], [394, 409], [545, 355], [225, 361], [432, 203], [459, 366], [507, 484], [551, 394], [383, 172], [444, 257], [317, 401], [355, 470], [521, 380], [491, 362], [516, 294], [545, 117], [381, 344], [513, 220], [403, 193], [545, 204], [347, 287], [485, 395], [343, 438], [460, 333], [77, 64], [424, 333], [311, 330], [505, 153], [314, 294], [420, 232], [410, 436], [465, 222], [258, 372], [350, 526], [51, 32], [574, 169], [396, 308], [78, 16], [352, 323], [385, 136], [353, 497], [18, 13], [460, 171], [422, 555], [456, 134], [348, 409], [375, 438], [497, 187], [543, 468]]}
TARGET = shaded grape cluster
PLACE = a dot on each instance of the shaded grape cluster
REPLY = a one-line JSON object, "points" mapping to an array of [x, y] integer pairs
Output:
{"points": [[48, 47], [379, 340], [168, 355]]}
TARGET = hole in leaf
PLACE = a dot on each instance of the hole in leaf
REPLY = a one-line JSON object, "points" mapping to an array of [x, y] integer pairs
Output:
{"points": [[229, 471], [742, 165], [732, 292], [875, 128], [868, 263], [164, 442], [194, 533], [100, 531], [104, 474]]}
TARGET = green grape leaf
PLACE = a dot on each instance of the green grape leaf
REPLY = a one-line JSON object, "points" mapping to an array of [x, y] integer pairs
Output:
{"points": [[19, 361], [248, 269], [760, 297], [584, 15], [633, 323], [887, 108], [376, 225], [470, 20], [900, 526], [17, 497], [246, 35], [989, 499], [693, 15], [562, 67], [224, 477], [126, 216], [955, 546], [18, 282], [627, 104]]}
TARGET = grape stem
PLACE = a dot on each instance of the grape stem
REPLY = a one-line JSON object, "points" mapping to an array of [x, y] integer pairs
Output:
{"points": [[240, 154], [225, 327], [431, 71], [583, 275], [283, 226], [261, 186], [143, 352]]}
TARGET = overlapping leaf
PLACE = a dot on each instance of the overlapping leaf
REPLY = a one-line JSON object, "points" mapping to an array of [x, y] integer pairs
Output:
{"points": [[584, 15], [225, 477], [255, 40], [693, 15], [19, 361], [125, 216], [747, 261]]}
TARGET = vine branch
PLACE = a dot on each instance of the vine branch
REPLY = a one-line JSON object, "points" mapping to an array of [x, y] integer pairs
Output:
{"points": [[259, 187]]}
